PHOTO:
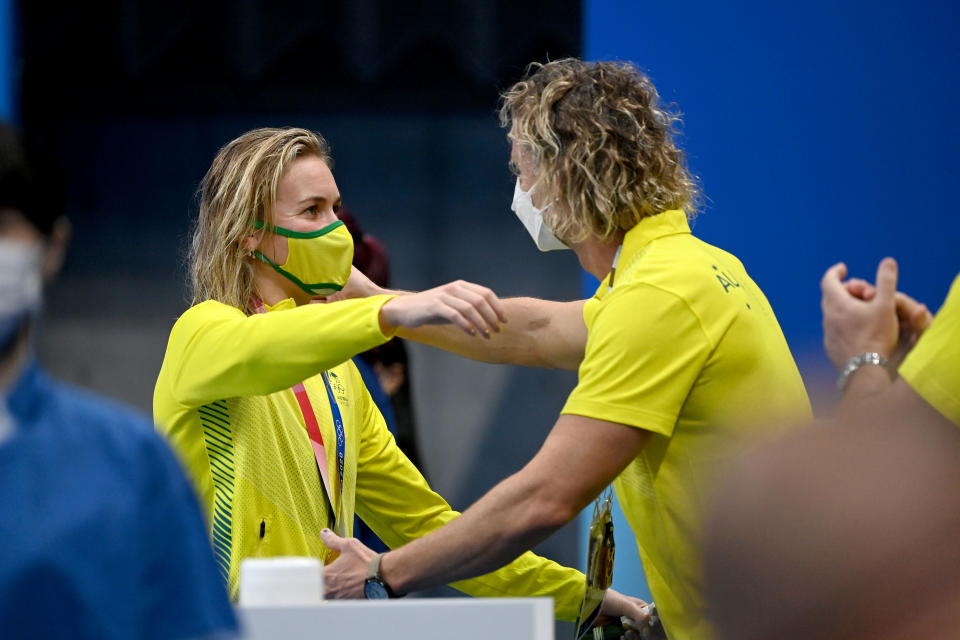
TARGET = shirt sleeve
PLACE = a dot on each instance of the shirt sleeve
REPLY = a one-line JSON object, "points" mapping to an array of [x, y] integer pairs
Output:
{"points": [[931, 368], [645, 350], [394, 499], [184, 595], [216, 351]]}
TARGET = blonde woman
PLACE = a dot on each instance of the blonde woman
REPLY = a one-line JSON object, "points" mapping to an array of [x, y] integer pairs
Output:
{"points": [[679, 353], [257, 392]]}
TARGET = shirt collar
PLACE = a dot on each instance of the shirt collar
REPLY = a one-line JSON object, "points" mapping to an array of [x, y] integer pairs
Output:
{"points": [[668, 223], [286, 303]]}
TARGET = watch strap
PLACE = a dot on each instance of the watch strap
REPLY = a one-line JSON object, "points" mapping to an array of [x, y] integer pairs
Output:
{"points": [[373, 569]]}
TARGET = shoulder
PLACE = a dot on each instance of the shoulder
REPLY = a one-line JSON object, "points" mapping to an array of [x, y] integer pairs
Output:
{"points": [[84, 416], [199, 317], [634, 313], [677, 262], [206, 311], [89, 405], [701, 275]]}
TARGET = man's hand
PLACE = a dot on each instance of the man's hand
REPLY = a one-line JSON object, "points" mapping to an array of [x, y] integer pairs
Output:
{"points": [[616, 606], [854, 324], [912, 317], [358, 286], [469, 306], [345, 576]]}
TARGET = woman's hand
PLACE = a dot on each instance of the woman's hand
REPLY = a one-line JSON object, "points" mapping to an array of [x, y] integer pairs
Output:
{"points": [[358, 286], [617, 606], [470, 306]]}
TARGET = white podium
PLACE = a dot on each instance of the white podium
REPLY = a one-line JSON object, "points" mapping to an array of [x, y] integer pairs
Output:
{"points": [[404, 619]]}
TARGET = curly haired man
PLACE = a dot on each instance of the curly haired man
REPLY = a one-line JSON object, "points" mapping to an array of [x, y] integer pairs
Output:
{"points": [[679, 353]]}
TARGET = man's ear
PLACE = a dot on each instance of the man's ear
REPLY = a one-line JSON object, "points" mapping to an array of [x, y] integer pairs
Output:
{"points": [[56, 248]]}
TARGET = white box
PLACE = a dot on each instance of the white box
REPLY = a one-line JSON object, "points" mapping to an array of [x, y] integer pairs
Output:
{"points": [[404, 619]]}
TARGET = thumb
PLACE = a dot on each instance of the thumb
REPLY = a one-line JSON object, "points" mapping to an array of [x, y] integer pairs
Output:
{"points": [[332, 540], [833, 277], [886, 280]]}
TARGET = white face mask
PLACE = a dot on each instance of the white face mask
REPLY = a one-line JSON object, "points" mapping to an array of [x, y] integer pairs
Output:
{"points": [[20, 285], [532, 219]]}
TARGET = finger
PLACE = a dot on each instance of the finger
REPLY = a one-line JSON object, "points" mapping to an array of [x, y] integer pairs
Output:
{"points": [[640, 616], [835, 296], [914, 318], [833, 277], [451, 315], [886, 281], [469, 312], [859, 288], [910, 311], [480, 303], [922, 319], [492, 299], [332, 540]]}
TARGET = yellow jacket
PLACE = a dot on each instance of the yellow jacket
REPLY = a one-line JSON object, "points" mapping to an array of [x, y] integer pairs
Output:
{"points": [[224, 401]]}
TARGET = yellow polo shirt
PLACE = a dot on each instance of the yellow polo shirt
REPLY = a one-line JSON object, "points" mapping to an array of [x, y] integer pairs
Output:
{"points": [[932, 368], [224, 401], [685, 346]]}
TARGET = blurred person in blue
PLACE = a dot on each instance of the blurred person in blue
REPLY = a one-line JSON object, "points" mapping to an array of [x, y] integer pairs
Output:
{"points": [[679, 354], [102, 534]]}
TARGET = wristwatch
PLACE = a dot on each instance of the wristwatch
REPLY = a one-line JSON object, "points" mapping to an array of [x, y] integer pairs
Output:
{"points": [[375, 587], [857, 361]]}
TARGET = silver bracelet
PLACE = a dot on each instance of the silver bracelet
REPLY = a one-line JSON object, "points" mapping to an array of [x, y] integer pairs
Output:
{"points": [[854, 363]]}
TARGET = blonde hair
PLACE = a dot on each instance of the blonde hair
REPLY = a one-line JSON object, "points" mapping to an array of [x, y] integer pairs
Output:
{"points": [[600, 143], [239, 191]]}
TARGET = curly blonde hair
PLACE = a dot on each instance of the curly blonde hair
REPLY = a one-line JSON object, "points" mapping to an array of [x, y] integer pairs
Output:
{"points": [[601, 143], [239, 191]]}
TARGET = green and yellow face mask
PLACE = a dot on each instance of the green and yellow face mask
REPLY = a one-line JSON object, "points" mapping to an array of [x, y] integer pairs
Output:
{"points": [[317, 261]]}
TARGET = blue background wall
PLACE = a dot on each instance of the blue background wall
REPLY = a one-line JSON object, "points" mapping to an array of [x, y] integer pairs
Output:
{"points": [[822, 131]]}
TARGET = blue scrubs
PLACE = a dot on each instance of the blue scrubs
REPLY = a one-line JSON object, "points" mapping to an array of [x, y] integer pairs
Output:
{"points": [[100, 532]]}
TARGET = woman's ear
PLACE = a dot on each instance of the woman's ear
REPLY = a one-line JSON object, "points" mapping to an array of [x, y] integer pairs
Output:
{"points": [[251, 241]]}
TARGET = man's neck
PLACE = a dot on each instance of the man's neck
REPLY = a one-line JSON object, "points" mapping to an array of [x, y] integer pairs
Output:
{"points": [[596, 256]]}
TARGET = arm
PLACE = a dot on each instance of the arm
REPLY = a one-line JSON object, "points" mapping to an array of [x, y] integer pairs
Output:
{"points": [[524, 509], [514, 516], [873, 386], [394, 499], [539, 333], [215, 351]]}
